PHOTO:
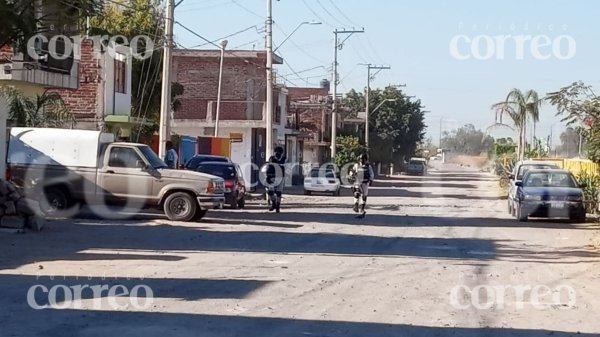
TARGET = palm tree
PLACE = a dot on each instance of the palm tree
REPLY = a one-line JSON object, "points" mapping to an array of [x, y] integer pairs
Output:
{"points": [[519, 107], [46, 111]]}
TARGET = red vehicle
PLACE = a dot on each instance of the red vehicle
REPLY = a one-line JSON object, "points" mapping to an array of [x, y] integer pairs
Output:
{"points": [[235, 190]]}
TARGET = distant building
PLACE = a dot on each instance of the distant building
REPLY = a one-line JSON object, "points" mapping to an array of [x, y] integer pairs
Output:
{"points": [[242, 115]]}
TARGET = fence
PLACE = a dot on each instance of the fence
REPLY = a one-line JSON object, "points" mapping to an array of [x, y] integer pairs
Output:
{"points": [[574, 165]]}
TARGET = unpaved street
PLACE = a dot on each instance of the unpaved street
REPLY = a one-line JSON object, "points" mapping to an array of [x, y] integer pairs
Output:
{"points": [[407, 269]]}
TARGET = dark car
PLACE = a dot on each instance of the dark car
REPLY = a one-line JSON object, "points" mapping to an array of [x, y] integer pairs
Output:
{"points": [[235, 190], [192, 163], [549, 193]]}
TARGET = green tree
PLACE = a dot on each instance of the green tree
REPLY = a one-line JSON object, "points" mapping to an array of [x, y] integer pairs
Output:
{"points": [[396, 129], [46, 110], [348, 150], [140, 17], [20, 22], [468, 140], [520, 107], [580, 108]]}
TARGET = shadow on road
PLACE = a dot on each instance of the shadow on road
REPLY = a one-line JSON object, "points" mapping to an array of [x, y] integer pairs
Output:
{"points": [[100, 324], [185, 289]]}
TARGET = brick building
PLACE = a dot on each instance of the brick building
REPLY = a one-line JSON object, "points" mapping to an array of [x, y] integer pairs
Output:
{"points": [[242, 114], [102, 100], [312, 108]]}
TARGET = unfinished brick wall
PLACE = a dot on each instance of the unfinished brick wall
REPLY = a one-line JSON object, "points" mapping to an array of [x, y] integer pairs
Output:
{"points": [[242, 82], [83, 102], [310, 105]]}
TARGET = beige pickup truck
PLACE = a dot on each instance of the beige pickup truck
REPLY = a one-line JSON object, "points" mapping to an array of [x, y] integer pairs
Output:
{"points": [[65, 169]]}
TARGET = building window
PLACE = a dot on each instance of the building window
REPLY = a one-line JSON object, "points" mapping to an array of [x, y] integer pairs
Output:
{"points": [[120, 76]]}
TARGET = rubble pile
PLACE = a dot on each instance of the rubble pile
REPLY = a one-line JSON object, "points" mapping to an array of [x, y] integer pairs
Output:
{"points": [[16, 211]]}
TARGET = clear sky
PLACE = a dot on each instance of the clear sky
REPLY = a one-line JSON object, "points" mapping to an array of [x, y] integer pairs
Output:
{"points": [[414, 38]]}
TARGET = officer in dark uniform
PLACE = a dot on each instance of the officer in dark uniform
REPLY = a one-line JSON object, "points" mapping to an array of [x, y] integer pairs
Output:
{"points": [[275, 177]]}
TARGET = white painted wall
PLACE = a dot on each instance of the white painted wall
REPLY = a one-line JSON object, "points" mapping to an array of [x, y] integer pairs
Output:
{"points": [[116, 103]]}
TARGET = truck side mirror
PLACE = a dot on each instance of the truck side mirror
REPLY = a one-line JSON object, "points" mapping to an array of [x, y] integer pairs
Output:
{"points": [[519, 183]]}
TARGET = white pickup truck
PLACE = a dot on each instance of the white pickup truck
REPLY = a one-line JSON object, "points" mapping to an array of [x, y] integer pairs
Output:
{"points": [[65, 169]]}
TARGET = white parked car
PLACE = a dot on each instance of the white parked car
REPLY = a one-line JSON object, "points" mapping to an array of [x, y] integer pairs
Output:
{"points": [[322, 181]]}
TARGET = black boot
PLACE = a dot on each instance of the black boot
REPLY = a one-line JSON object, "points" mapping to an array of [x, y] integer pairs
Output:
{"points": [[355, 207], [362, 207], [272, 206], [277, 207]]}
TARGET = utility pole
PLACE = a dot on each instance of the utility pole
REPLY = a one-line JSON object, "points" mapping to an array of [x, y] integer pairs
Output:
{"points": [[269, 98], [165, 109], [441, 132], [337, 45], [367, 110]]}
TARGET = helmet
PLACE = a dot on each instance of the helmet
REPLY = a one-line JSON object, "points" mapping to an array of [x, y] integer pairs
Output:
{"points": [[278, 150], [363, 158]]}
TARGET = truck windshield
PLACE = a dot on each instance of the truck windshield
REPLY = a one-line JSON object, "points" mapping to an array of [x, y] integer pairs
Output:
{"points": [[152, 158]]}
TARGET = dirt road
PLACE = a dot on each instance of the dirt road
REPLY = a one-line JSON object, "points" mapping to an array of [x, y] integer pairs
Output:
{"points": [[435, 256]]}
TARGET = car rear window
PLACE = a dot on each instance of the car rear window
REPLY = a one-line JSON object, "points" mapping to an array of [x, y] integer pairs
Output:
{"points": [[550, 179], [219, 170], [319, 173], [524, 168]]}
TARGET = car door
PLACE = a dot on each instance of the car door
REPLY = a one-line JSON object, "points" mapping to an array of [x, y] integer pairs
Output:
{"points": [[512, 189], [124, 176]]}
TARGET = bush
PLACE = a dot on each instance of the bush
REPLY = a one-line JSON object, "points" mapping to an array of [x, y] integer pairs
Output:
{"points": [[590, 192]]}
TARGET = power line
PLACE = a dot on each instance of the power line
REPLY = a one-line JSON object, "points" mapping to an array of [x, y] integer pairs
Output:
{"points": [[298, 47], [329, 13], [343, 14], [247, 9], [230, 52], [228, 36], [317, 15]]}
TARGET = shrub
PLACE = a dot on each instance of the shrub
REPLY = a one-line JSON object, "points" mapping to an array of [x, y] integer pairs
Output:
{"points": [[590, 192]]}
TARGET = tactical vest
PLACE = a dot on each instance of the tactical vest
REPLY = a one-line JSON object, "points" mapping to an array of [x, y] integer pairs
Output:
{"points": [[363, 173]]}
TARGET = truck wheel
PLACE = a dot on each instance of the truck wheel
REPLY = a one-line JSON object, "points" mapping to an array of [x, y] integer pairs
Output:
{"points": [[180, 206], [56, 202]]}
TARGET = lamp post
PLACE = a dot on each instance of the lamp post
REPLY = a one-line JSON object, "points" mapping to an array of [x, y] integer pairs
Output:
{"points": [[295, 29], [222, 44]]}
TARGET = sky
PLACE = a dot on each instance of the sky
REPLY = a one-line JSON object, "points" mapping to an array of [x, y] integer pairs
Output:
{"points": [[458, 57]]}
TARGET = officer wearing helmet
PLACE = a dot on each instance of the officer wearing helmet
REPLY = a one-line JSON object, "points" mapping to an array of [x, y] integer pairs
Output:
{"points": [[363, 176], [275, 178]]}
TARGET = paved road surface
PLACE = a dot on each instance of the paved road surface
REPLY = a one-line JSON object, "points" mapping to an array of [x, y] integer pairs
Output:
{"points": [[411, 268]]}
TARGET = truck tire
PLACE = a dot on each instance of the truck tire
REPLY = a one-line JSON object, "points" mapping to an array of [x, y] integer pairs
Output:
{"points": [[180, 206], [56, 202]]}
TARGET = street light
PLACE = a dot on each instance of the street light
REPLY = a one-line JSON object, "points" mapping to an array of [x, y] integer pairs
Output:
{"points": [[222, 44], [295, 29], [367, 118]]}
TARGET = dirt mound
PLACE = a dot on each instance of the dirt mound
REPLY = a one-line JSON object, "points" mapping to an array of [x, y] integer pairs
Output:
{"points": [[478, 162]]}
